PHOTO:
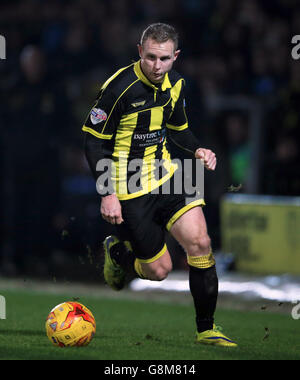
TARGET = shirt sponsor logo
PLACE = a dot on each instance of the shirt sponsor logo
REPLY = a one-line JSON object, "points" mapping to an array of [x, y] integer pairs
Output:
{"points": [[98, 115], [149, 138]]}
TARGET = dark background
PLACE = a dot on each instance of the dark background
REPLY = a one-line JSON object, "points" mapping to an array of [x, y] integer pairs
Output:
{"points": [[243, 90]]}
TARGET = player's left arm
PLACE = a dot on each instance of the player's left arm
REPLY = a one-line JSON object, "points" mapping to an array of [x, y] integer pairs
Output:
{"points": [[183, 137], [208, 158], [187, 141]]}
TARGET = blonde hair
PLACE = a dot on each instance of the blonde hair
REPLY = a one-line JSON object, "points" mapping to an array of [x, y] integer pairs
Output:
{"points": [[160, 32]]}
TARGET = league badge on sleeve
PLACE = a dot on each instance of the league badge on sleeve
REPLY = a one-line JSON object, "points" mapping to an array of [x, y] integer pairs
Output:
{"points": [[98, 115]]}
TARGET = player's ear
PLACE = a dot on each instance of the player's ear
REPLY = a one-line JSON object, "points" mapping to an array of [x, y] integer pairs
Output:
{"points": [[140, 49], [176, 54]]}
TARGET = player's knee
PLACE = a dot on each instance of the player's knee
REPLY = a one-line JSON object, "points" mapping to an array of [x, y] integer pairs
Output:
{"points": [[159, 273], [199, 245]]}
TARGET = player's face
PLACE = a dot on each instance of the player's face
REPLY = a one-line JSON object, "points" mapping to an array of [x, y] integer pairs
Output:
{"points": [[157, 59]]}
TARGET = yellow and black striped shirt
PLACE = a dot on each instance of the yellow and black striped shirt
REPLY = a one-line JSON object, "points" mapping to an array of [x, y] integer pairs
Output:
{"points": [[131, 115]]}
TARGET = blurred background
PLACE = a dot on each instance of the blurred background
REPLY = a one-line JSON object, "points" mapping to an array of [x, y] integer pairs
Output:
{"points": [[243, 92]]}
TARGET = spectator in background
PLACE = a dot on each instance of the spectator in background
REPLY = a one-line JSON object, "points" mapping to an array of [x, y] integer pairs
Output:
{"points": [[281, 170], [37, 117], [231, 47], [236, 129]]}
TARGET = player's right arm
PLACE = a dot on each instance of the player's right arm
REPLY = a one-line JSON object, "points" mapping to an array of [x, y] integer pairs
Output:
{"points": [[100, 126], [96, 150], [111, 210]]}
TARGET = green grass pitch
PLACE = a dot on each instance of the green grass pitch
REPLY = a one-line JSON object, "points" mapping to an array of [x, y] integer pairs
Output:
{"points": [[143, 330]]}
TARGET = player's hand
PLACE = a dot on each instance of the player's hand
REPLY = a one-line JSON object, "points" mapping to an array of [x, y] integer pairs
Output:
{"points": [[111, 209], [208, 158]]}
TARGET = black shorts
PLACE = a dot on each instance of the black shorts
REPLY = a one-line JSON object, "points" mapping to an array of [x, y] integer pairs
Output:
{"points": [[147, 219]]}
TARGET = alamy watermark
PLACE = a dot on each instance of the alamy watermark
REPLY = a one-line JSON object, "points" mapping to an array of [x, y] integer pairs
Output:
{"points": [[2, 307], [138, 175], [296, 49], [296, 310], [2, 47]]}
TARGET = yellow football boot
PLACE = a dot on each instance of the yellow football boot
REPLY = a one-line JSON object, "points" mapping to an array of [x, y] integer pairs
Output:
{"points": [[214, 337], [114, 274]]}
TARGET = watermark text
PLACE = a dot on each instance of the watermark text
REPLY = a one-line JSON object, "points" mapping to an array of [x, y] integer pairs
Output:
{"points": [[296, 49], [2, 307], [2, 47], [296, 310], [138, 175]]}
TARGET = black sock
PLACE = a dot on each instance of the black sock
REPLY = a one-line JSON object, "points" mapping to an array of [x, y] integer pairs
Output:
{"points": [[204, 289]]}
